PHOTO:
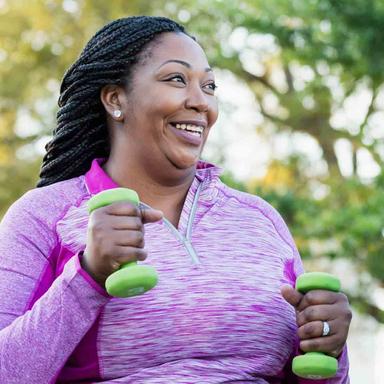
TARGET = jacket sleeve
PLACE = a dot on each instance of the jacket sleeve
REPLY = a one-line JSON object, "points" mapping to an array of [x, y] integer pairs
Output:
{"points": [[296, 269], [36, 340]]}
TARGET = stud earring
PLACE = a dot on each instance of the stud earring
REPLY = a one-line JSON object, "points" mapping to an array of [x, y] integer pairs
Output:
{"points": [[117, 113]]}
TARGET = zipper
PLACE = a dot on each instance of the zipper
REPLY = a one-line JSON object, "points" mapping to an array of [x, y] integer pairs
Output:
{"points": [[193, 212], [186, 241]]}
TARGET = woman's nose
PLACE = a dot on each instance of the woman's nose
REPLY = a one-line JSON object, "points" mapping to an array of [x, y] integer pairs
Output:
{"points": [[197, 99]]}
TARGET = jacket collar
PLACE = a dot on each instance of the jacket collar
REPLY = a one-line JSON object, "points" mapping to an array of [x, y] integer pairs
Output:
{"points": [[97, 179]]}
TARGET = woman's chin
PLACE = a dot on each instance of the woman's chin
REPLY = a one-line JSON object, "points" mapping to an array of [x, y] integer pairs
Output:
{"points": [[185, 162]]}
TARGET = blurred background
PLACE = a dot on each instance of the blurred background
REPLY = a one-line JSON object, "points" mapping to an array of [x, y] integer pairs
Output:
{"points": [[301, 93]]}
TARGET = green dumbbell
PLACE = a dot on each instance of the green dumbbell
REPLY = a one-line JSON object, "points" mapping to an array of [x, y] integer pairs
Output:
{"points": [[131, 279], [315, 365]]}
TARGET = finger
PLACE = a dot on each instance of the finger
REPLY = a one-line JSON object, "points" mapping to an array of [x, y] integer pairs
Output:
{"points": [[121, 208], [149, 215], [126, 254], [318, 297], [322, 312], [314, 329], [128, 238], [290, 294], [126, 223], [330, 345]]}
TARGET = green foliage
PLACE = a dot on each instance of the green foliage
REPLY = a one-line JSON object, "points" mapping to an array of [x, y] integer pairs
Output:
{"points": [[323, 52]]}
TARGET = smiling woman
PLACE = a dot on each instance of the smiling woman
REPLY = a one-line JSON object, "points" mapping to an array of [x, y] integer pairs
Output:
{"points": [[136, 109], [166, 118]]}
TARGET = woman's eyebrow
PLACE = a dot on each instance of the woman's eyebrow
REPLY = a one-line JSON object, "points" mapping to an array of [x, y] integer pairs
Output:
{"points": [[189, 66]]}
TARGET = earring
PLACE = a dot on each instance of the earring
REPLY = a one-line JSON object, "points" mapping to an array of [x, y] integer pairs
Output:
{"points": [[117, 113]]}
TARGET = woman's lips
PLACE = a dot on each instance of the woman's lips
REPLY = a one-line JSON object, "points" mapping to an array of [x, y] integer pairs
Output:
{"points": [[186, 136]]}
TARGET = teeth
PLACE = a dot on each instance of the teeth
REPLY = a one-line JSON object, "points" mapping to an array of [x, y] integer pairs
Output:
{"points": [[195, 129]]}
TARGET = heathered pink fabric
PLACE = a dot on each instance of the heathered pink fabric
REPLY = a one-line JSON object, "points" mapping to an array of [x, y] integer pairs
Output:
{"points": [[216, 315]]}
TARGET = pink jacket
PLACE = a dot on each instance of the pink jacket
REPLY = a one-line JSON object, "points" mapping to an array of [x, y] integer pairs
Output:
{"points": [[216, 315]]}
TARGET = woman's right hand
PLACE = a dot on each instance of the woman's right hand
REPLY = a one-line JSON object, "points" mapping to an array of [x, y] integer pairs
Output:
{"points": [[115, 237]]}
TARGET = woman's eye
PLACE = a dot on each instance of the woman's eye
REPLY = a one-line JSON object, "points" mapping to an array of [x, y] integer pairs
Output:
{"points": [[177, 79], [211, 86]]}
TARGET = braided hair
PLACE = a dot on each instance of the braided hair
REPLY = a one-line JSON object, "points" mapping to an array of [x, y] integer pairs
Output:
{"points": [[109, 57]]}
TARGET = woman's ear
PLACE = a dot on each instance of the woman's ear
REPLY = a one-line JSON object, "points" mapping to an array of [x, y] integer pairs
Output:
{"points": [[113, 97]]}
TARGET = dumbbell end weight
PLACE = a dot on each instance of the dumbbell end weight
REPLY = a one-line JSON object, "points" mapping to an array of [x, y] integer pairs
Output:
{"points": [[314, 365], [317, 280], [131, 280]]}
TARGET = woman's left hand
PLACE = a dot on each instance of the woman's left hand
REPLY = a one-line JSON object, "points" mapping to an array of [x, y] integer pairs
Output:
{"points": [[312, 309]]}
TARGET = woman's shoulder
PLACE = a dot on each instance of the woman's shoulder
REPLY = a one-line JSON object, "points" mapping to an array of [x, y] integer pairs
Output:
{"points": [[250, 207], [49, 203], [245, 200], [68, 190]]}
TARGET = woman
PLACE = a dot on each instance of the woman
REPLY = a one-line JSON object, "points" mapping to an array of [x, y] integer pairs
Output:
{"points": [[135, 111]]}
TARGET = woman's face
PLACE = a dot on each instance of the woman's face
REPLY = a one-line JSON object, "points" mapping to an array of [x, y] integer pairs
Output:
{"points": [[170, 106]]}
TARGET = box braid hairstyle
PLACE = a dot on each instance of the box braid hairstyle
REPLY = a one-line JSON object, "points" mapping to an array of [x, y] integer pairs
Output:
{"points": [[81, 134]]}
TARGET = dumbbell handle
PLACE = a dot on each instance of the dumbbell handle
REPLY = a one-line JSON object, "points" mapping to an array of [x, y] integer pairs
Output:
{"points": [[316, 365], [131, 279]]}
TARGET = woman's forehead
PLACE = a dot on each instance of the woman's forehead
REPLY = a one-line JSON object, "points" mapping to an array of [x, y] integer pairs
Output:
{"points": [[177, 47]]}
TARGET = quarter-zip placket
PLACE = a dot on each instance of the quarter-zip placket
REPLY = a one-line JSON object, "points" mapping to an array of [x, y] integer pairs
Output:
{"points": [[186, 240]]}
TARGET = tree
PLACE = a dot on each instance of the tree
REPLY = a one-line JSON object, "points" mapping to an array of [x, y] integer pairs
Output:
{"points": [[304, 61]]}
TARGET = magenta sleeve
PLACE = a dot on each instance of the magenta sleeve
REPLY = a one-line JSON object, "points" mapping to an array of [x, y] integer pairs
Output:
{"points": [[36, 340]]}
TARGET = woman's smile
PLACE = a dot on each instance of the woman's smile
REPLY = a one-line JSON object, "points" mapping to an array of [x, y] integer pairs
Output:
{"points": [[189, 131]]}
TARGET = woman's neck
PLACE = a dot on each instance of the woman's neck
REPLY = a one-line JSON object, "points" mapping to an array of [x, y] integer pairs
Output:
{"points": [[163, 193]]}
